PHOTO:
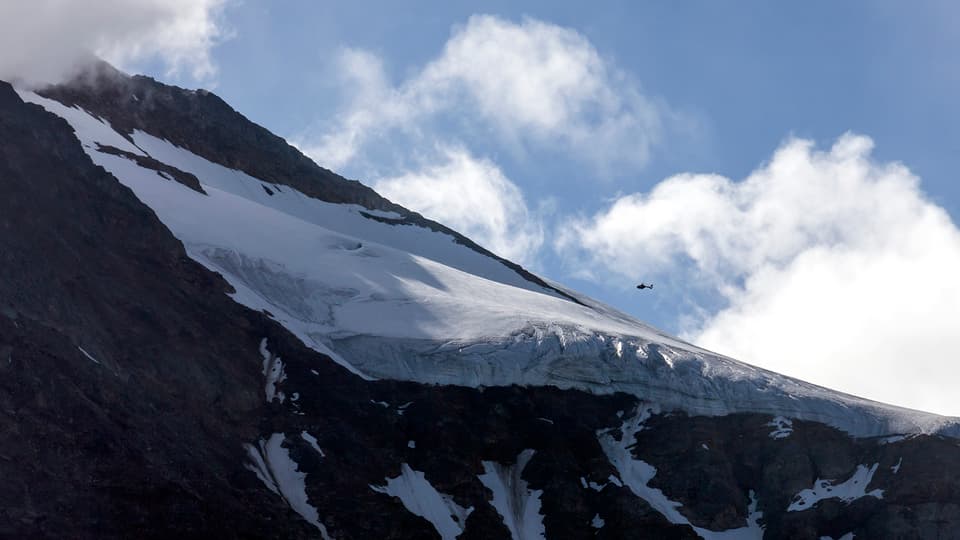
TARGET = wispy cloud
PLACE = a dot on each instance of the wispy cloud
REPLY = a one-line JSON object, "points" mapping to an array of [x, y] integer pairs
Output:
{"points": [[533, 83], [834, 267], [526, 86], [46, 41]]}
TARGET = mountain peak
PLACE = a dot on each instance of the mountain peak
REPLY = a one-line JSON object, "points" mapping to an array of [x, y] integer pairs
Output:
{"points": [[207, 324]]}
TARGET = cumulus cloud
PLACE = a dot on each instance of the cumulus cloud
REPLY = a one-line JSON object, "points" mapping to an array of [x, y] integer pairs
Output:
{"points": [[473, 197], [46, 41], [532, 83], [834, 268], [524, 86]]}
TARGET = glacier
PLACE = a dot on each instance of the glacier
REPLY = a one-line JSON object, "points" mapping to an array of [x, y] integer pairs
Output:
{"points": [[400, 301]]}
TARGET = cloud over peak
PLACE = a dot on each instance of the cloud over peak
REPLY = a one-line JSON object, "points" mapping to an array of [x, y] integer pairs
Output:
{"points": [[47, 41]]}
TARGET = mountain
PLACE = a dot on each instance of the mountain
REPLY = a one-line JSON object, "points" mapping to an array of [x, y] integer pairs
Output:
{"points": [[204, 333]]}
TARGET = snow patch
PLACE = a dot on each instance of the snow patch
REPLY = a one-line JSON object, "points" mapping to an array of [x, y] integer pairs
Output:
{"points": [[848, 491], [597, 522], [517, 504], [637, 474], [595, 486], [422, 499], [411, 444], [89, 356], [782, 427], [272, 464], [896, 468], [312, 441], [274, 373], [634, 473]]}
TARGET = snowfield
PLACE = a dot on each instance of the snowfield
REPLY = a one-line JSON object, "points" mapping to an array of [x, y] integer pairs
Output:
{"points": [[404, 302]]}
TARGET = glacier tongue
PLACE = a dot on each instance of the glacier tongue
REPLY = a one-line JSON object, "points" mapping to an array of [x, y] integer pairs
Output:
{"points": [[405, 302]]}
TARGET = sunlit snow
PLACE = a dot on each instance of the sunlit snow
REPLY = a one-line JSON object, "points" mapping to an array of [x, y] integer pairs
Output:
{"points": [[405, 302]]}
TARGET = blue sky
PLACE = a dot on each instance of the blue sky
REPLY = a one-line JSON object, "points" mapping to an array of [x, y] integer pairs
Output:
{"points": [[749, 77], [784, 173]]}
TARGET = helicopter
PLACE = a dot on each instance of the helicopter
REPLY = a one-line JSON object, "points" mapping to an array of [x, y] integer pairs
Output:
{"points": [[642, 286]]}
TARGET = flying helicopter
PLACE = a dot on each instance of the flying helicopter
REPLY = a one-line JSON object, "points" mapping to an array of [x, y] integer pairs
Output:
{"points": [[642, 286]]}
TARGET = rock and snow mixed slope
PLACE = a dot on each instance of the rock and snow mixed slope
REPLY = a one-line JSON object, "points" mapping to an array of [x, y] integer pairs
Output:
{"points": [[407, 302], [134, 389]]}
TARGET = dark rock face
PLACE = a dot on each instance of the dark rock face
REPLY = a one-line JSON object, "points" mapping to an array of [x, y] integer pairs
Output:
{"points": [[131, 385], [143, 438], [162, 169], [711, 464]]}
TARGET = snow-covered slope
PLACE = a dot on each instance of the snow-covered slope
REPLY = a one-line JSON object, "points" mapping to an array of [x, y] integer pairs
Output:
{"points": [[405, 302]]}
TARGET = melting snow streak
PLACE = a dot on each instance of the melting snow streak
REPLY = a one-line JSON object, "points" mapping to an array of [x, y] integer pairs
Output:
{"points": [[312, 441], [89, 356], [273, 466], [518, 505], [273, 371]]}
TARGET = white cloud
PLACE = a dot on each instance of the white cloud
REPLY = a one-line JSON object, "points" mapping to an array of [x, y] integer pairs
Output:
{"points": [[523, 85], [474, 198], [532, 82], [835, 268], [48, 40]]}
